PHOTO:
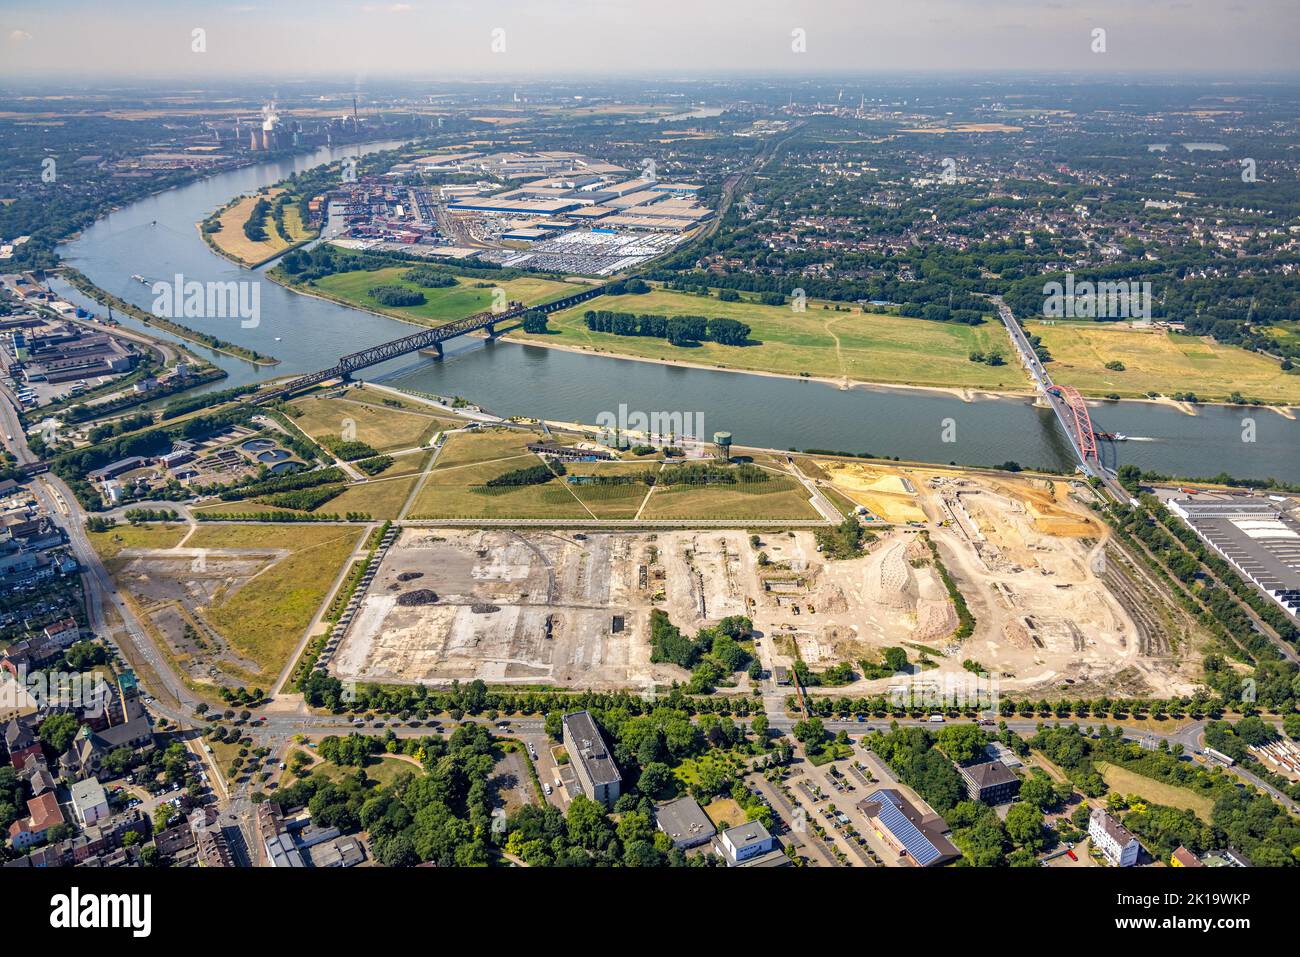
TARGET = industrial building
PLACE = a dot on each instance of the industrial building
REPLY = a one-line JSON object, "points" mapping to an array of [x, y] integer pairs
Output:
{"points": [[63, 352], [1256, 536], [595, 768]]}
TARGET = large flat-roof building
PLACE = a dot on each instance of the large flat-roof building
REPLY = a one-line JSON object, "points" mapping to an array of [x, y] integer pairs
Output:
{"points": [[1258, 538], [685, 822], [750, 845], [592, 763]]}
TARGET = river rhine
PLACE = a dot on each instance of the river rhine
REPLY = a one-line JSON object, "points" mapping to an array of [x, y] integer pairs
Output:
{"points": [[156, 237]]}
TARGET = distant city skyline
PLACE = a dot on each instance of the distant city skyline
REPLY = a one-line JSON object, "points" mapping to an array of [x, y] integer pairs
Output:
{"points": [[474, 39]]}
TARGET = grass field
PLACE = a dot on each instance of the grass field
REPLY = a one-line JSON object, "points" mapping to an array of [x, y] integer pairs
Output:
{"points": [[264, 618], [382, 769], [109, 544], [779, 498], [232, 241], [457, 493], [378, 499], [380, 427], [725, 813], [1128, 782], [1162, 362], [467, 448], [441, 305], [612, 501], [408, 464], [818, 342]]}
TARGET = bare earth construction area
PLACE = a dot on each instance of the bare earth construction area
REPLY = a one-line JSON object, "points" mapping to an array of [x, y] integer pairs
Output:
{"points": [[1054, 606]]}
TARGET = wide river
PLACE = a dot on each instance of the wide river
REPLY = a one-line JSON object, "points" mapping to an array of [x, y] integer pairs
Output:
{"points": [[156, 237]]}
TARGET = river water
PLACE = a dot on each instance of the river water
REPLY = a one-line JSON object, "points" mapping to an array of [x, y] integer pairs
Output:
{"points": [[156, 238]]}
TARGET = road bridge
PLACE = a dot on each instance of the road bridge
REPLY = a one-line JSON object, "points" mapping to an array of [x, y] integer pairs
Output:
{"points": [[1070, 408], [425, 339]]}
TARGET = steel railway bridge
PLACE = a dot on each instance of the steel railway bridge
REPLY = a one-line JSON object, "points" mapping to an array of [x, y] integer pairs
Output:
{"points": [[425, 339]]}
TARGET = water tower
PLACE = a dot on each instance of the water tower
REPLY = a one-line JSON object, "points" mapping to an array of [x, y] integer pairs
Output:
{"points": [[722, 446]]}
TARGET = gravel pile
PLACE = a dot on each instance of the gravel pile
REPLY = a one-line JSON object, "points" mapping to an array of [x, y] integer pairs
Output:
{"points": [[421, 596]]}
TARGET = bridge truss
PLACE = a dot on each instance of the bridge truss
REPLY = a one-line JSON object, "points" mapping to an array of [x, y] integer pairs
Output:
{"points": [[1085, 436], [426, 339]]}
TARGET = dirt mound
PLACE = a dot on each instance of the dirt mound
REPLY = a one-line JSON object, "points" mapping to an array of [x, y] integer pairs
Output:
{"points": [[890, 581], [409, 576], [483, 608], [421, 596], [935, 621]]}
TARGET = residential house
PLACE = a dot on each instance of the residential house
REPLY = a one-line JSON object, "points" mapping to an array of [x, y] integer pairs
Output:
{"points": [[43, 813], [20, 742]]}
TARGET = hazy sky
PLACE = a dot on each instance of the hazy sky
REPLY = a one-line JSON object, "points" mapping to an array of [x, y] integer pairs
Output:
{"points": [[454, 38]]}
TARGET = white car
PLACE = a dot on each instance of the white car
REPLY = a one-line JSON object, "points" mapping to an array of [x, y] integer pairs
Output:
{"points": [[547, 789]]}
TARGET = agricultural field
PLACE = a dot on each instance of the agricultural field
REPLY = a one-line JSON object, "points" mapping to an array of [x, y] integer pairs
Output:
{"points": [[383, 428], [856, 346], [231, 241], [1158, 361], [467, 297]]}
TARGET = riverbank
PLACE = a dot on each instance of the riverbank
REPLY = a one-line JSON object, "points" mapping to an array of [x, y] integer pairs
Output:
{"points": [[842, 383], [82, 284]]}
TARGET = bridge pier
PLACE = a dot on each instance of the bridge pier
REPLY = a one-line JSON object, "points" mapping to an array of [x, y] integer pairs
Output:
{"points": [[491, 329], [437, 350]]}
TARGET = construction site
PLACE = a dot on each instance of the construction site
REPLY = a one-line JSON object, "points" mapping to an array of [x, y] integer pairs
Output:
{"points": [[1055, 606]]}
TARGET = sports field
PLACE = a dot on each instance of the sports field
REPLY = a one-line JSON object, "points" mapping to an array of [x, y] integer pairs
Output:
{"points": [[818, 342], [1159, 361], [467, 297]]}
